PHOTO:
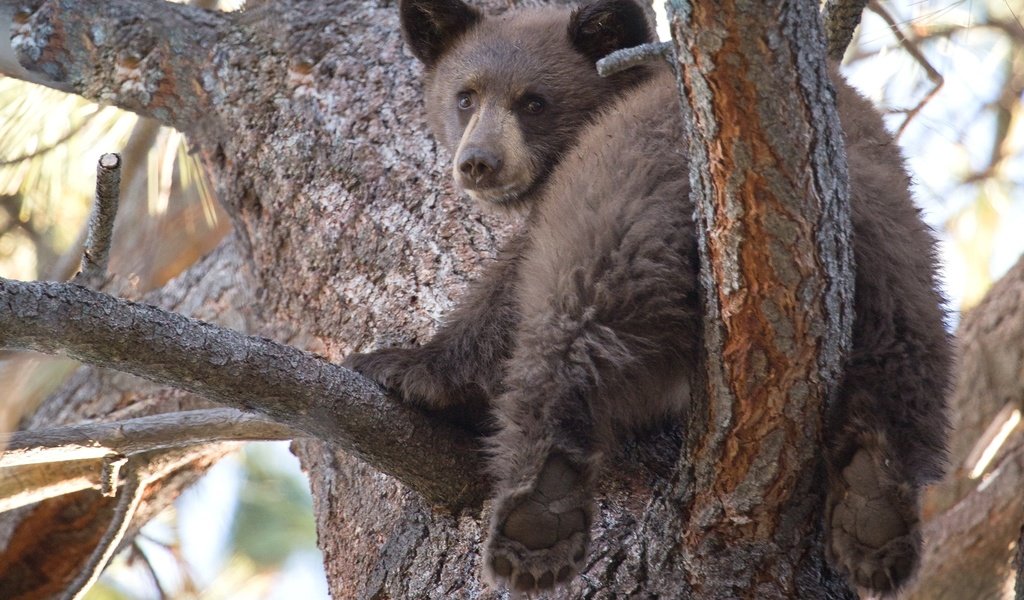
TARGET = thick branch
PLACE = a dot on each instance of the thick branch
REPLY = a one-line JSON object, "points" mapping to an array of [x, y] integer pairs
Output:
{"points": [[152, 58], [292, 387]]}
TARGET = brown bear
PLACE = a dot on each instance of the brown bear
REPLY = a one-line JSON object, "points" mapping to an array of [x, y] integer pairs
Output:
{"points": [[589, 322]]}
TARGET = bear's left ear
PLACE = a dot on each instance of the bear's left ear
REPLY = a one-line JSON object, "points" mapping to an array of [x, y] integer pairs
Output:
{"points": [[599, 28], [431, 27]]}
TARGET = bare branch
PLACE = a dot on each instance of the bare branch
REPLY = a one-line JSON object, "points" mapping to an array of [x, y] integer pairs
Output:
{"points": [[627, 58], [101, 223], [147, 57], [28, 484], [45, 463], [292, 387], [911, 47], [142, 138], [128, 498], [841, 18], [144, 434]]}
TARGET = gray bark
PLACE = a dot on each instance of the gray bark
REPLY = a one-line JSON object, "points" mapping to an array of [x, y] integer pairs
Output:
{"points": [[308, 117]]}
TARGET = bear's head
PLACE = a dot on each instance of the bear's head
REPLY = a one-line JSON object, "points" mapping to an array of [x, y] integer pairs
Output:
{"points": [[509, 94]]}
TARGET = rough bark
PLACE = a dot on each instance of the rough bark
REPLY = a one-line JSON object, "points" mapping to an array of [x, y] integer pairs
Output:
{"points": [[329, 176], [770, 299], [308, 117]]}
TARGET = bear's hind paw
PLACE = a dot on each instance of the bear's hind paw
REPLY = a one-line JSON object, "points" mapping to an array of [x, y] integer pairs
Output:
{"points": [[539, 536], [873, 526]]}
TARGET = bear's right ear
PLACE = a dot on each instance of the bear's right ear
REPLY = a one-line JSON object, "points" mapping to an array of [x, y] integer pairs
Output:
{"points": [[432, 26], [599, 28]]}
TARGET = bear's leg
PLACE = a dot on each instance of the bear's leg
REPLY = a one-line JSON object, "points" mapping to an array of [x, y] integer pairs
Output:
{"points": [[886, 432], [584, 366], [547, 456]]}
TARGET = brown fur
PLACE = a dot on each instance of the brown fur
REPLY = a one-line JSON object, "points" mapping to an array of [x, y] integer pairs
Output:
{"points": [[590, 322]]}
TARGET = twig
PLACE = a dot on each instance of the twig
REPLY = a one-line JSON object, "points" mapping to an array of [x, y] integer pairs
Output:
{"points": [[841, 18], [627, 58], [290, 386], [132, 436], [101, 223], [911, 47], [129, 496], [138, 552], [1019, 585]]}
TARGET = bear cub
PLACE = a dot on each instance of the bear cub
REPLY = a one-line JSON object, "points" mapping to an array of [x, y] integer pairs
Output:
{"points": [[589, 322]]}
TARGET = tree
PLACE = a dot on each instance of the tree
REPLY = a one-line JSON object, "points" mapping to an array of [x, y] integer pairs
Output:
{"points": [[307, 118]]}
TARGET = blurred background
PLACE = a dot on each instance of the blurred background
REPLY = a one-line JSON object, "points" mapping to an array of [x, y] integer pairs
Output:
{"points": [[949, 76]]}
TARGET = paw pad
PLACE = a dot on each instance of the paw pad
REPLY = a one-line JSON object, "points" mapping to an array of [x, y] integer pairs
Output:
{"points": [[539, 536], [872, 526]]}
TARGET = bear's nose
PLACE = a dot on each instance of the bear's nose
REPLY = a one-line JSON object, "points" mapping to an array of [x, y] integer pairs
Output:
{"points": [[478, 165]]}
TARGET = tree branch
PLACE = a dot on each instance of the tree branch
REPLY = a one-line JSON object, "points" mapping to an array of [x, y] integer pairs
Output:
{"points": [[152, 58], [96, 254], [27, 484], [912, 49], [155, 432], [966, 549], [627, 58], [840, 18], [292, 387]]}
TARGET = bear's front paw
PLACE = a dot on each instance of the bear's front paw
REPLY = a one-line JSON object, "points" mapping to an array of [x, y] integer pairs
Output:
{"points": [[407, 372], [539, 535], [873, 526]]}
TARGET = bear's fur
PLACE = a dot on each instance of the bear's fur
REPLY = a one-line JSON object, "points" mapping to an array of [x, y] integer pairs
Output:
{"points": [[591, 319]]}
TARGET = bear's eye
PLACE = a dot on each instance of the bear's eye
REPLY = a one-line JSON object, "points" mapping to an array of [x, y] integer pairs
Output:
{"points": [[533, 105], [464, 100]]}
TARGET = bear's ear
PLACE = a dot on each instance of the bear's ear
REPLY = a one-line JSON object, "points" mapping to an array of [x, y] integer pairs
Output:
{"points": [[599, 28], [432, 26]]}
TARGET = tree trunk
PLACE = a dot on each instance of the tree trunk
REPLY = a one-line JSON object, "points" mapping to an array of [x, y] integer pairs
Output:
{"points": [[758, 436], [309, 120]]}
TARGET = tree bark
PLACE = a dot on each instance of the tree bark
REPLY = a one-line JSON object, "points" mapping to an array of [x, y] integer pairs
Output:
{"points": [[774, 304], [308, 118]]}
